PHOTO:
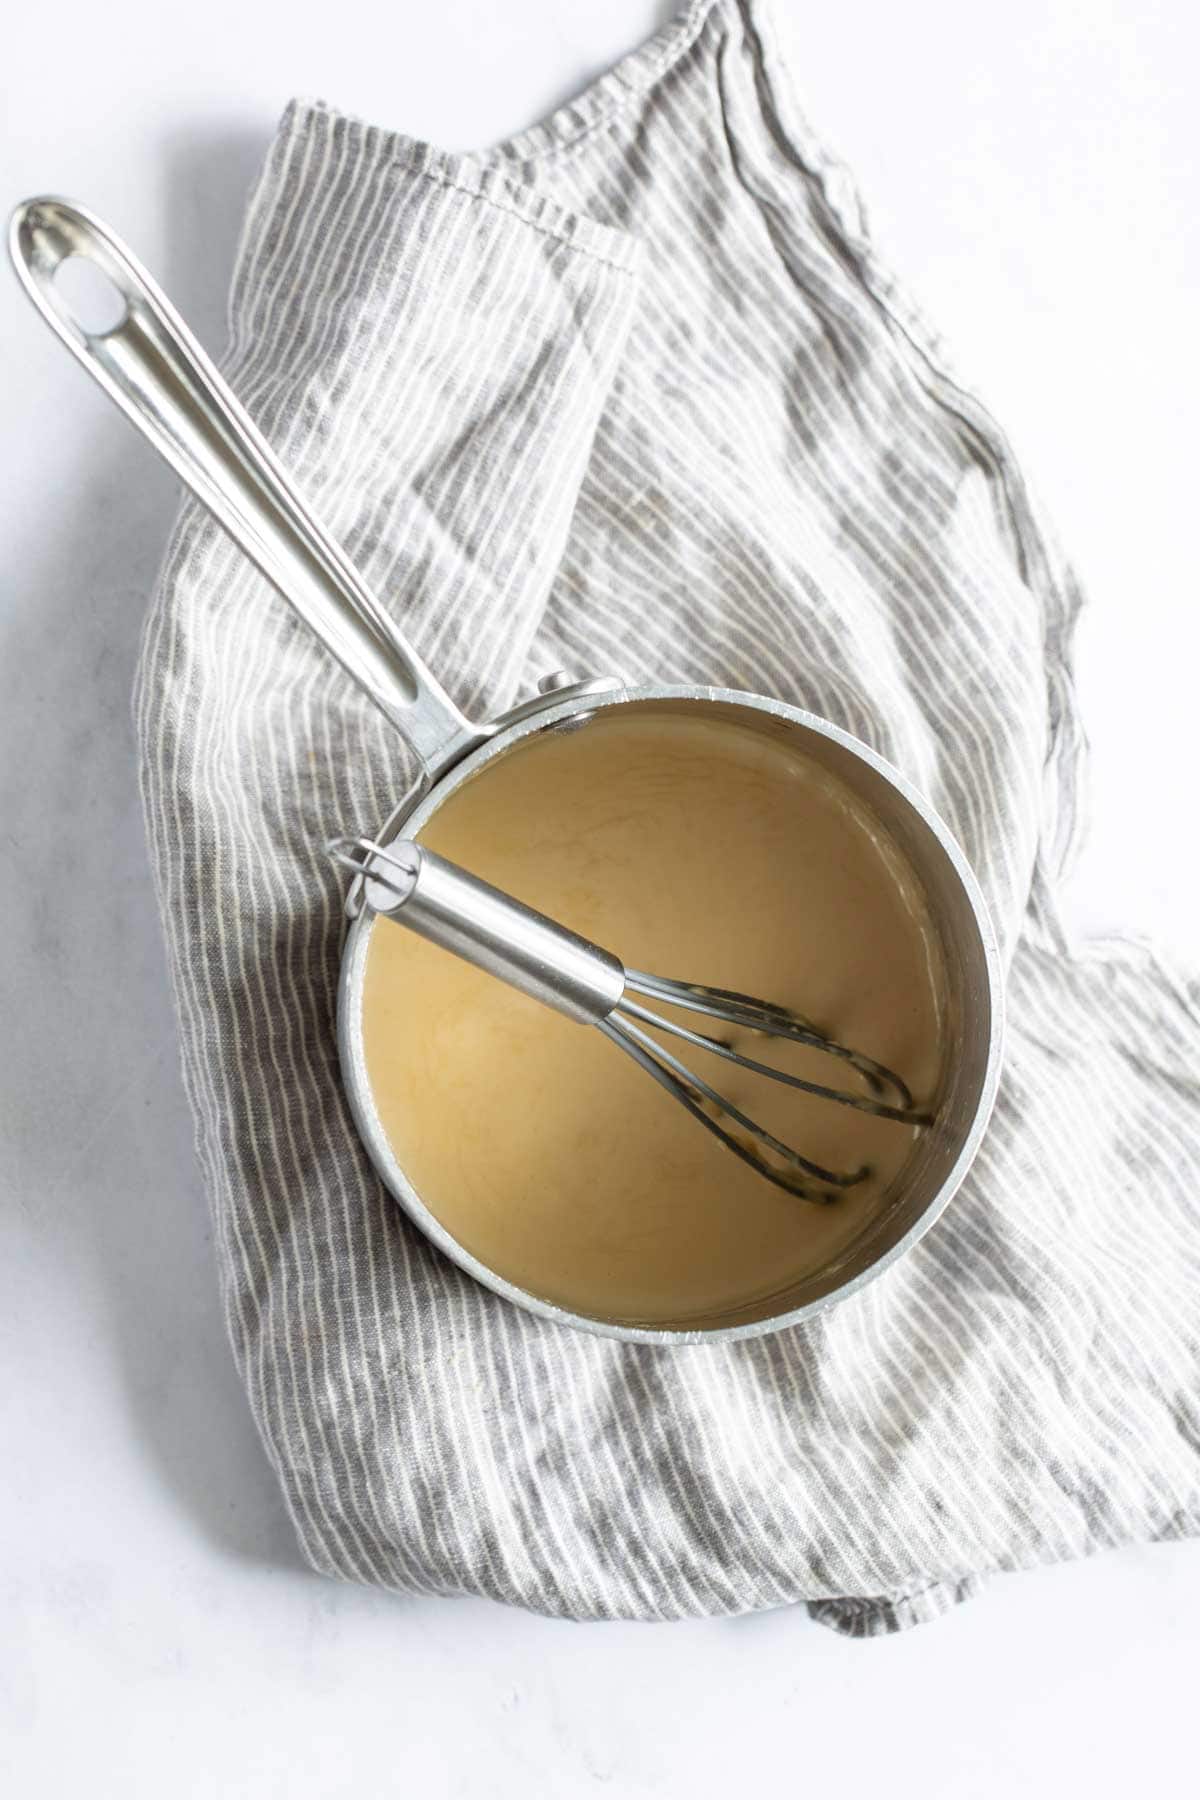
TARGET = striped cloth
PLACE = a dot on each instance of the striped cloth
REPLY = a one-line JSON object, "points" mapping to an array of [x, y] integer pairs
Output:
{"points": [[634, 392]]}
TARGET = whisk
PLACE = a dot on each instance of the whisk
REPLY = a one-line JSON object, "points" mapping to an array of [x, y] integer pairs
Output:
{"points": [[443, 903]]}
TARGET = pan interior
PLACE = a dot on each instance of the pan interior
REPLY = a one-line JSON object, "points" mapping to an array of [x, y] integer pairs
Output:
{"points": [[710, 842]]}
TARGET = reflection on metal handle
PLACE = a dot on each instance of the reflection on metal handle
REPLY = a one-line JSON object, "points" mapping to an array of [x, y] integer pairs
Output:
{"points": [[441, 902], [151, 365]]}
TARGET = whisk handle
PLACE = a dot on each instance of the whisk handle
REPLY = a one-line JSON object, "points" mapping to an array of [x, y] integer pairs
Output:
{"points": [[442, 903]]}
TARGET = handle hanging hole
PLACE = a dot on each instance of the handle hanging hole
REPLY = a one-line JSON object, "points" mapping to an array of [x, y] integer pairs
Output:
{"points": [[90, 298]]}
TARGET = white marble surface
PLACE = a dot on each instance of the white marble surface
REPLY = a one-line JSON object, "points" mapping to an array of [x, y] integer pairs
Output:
{"points": [[1032, 169]]}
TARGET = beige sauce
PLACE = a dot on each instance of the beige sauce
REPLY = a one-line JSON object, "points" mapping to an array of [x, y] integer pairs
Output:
{"points": [[695, 849]]}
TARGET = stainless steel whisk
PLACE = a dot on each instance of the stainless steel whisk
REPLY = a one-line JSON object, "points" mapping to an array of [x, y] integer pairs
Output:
{"points": [[443, 903]]}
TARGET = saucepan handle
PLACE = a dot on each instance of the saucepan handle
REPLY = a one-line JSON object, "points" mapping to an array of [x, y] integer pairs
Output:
{"points": [[145, 358]]}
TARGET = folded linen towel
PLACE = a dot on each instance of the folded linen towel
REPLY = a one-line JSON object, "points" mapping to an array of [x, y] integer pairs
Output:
{"points": [[632, 392]]}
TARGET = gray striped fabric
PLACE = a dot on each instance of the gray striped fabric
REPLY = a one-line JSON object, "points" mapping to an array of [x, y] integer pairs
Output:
{"points": [[633, 392]]}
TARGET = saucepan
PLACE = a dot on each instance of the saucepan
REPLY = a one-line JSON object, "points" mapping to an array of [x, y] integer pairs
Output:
{"points": [[146, 359]]}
